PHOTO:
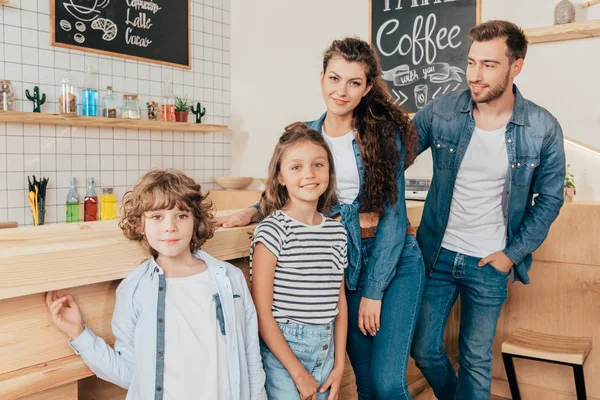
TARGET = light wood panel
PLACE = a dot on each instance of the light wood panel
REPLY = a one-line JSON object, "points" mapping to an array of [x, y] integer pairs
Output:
{"points": [[100, 122], [46, 376], [66, 392], [575, 235], [42, 258], [28, 336], [575, 30]]}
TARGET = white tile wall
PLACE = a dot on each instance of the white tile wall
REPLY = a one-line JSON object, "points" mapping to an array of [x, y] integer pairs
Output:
{"points": [[114, 157]]}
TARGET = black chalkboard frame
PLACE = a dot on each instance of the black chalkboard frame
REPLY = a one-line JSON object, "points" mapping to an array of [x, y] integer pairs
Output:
{"points": [[477, 17], [55, 43]]}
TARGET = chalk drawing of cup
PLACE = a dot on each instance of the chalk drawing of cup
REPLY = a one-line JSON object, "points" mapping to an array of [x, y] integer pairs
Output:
{"points": [[420, 96]]}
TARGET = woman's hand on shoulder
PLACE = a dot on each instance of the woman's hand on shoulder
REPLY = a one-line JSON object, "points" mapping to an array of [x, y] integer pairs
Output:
{"points": [[65, 314], [240, 218]]}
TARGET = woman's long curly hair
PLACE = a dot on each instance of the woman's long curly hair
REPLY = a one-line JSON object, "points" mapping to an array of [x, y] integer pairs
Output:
{"points": [[163, 189], [275, 196], [377, 122]]}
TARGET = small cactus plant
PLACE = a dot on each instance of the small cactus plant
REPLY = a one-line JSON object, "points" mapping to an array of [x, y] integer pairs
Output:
{"points": [[199, 114], [37, 102]]}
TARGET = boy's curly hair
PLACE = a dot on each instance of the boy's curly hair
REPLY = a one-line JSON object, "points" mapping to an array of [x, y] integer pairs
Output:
{"points": [[163, 189]]}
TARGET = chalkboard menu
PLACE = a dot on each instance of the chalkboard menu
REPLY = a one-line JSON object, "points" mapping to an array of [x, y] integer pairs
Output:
{"points": [[423, 46], [149, 30]]}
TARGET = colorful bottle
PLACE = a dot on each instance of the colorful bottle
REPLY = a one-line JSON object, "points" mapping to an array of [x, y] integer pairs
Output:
{"points": [[89, 95], [90, 203], [167, 106], [72, 203], [108, 209]]}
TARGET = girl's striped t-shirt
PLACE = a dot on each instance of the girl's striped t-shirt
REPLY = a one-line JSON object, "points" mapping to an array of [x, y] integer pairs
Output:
{"points": [[310, 265]]}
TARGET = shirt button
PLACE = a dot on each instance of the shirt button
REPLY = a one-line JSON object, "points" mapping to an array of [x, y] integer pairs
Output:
{"points": [[160, 289], [325, 347], [451, 150], [438, 145], [518, 164], [159, 353], [512, 166], [532, 164], [160, 320], [509, 140], [159, 389]]}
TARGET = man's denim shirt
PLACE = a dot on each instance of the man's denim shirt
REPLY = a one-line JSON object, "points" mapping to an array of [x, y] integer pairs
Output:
{"points": [[391, 230], [536, 160], [137, 361]]}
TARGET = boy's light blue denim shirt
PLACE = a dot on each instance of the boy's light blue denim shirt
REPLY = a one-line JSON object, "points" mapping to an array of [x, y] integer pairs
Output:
{"points": [[391, 229], [536, 159], [136, 363]]}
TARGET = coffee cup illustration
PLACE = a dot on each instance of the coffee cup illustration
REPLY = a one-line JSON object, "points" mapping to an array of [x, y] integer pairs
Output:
{"points": [[420, 95]]}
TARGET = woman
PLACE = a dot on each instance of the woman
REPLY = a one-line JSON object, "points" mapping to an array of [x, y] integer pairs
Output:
{"points": [[372, 141]]}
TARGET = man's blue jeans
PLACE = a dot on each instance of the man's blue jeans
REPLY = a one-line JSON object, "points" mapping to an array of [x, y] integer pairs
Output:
{"points": [[482, 292]]}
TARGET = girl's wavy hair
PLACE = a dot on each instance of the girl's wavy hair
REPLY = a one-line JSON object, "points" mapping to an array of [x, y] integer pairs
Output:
{"points": [[163, 189], [275, 196], [378, 122]]}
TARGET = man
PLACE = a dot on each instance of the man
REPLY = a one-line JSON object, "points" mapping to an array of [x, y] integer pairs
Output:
{"points": [[492, 151]]}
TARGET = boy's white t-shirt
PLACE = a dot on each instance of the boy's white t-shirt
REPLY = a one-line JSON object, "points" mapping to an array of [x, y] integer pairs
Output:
{"points": [[195, 349]]}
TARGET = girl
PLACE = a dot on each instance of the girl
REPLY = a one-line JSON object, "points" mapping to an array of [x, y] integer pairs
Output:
{"points": [[196, 340], [297, 261], [372, 141]]}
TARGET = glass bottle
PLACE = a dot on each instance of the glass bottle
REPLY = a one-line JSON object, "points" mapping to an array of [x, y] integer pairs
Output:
{"points": [[90, 203], [72, 203], [109, 105], [167, 105], [108, 208], [7, 97], [89, 95], [67, 100], [131, 107]]}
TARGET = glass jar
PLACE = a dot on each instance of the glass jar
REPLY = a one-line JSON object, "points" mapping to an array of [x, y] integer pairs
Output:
{"points": [[67, 100], [109, 105], [6, 96], [131, 107]]}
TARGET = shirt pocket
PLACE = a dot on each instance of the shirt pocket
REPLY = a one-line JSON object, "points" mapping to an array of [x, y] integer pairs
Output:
{"points": [[523, 170], [444, 153]]}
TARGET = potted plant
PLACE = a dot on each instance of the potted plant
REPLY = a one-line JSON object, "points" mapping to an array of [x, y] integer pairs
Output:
{"points": [[570, 190], [182, 108]]}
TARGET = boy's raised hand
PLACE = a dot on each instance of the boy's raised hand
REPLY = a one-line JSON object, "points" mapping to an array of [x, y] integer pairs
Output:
{"points": [[65, 314]]}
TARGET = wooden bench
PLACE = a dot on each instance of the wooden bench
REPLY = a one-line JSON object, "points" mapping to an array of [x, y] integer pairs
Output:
{"points": [[570, 351]]}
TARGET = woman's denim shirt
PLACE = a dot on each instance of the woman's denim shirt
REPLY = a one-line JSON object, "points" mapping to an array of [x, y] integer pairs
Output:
{"points": [[137, 361]]}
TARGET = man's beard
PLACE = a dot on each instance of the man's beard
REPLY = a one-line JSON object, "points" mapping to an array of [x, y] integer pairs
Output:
{"points": [[493, 93]]}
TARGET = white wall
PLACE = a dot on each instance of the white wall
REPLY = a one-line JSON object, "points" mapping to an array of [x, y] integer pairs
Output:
{"points": [[276, 55]]}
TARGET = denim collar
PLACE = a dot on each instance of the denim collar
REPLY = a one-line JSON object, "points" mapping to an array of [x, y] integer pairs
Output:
{"points": [[518, 114]]}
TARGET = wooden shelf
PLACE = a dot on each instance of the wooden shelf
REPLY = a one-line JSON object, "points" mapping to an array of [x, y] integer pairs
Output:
{"points": [[63, 120], [575, 30]]}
